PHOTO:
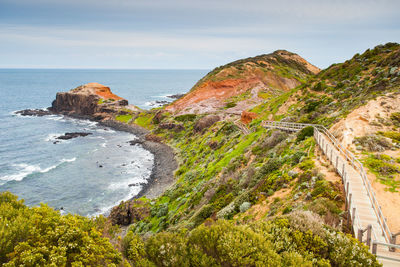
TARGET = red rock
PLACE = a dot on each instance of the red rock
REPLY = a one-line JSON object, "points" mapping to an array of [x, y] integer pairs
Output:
{"points": [[247, 117]]}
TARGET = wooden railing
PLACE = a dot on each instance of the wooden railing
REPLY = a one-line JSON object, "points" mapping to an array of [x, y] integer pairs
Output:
{"points": [[319, 132]]}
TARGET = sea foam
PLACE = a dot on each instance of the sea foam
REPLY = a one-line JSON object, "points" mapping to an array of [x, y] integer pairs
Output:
{"points": [[25, 170]]}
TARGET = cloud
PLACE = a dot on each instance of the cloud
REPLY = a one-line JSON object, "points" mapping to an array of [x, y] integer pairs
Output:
{"points": [[192, 34]]}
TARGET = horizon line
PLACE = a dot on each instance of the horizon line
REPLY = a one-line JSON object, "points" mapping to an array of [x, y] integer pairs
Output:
{"points": [[80, 68]]}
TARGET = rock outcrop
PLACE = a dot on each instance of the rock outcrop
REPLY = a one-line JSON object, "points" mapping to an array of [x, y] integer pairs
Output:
{"points": [[34, 112], [129, 212], [247, 117], [91, 100], [205, 122], [68, 136]]}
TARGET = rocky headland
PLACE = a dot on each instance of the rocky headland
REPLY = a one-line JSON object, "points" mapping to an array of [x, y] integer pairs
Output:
{"points": [[96, 102]]}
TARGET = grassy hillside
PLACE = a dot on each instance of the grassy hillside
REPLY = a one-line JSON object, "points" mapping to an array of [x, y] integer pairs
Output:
{"points": [[281, 62], [339, 89], [225, 174]]}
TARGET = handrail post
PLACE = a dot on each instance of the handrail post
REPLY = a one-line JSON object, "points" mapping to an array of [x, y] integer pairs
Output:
{"points": [[360, 235], [369, 232], [348, 213], [392, 241], [374, 247], [343, 169]]}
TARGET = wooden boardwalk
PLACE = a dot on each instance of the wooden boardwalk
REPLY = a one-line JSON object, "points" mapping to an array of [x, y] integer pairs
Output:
{"points": [[368, 223]]}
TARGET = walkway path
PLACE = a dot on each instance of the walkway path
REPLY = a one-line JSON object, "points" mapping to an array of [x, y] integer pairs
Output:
{"points": [[368, 223]]}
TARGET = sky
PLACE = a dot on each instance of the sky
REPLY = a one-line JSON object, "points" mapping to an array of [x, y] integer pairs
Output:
{"points": [[186, 34]]}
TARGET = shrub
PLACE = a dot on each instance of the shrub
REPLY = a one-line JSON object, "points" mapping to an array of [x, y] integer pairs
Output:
{"points": [[231, 245], [167, 249], [307, 164], [382, 164], [244, 206], [373, 142], [185, 117], [395, 136], [395, 117], [304, 133], [41, 236], [323, 188], [271, 165], [134, 250], [230, 105]]}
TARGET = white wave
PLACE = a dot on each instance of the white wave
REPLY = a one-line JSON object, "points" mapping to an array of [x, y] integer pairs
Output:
{"points": [[161, 96], [55, 118], [105, 130], [81, 122], [68, 160], [155, 104], [52, 137], [25, 169], [104, 144]]}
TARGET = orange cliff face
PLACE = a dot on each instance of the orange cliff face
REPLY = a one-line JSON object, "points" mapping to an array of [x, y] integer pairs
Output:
{"points": [[83, 101], [259, 74], [100, 90]]}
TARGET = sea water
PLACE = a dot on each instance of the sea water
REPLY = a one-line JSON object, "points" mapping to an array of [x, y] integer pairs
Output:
{"points": [[85, 175]]}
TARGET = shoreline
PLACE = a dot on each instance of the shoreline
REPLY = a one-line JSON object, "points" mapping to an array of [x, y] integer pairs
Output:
{"points": [[162, 173]]}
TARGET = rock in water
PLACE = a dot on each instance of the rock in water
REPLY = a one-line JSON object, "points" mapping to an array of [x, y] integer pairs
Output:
{"points": [[68, 136], [34, 112]]}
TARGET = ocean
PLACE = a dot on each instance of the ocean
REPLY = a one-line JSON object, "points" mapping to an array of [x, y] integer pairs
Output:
{"points": [[85, 175]]}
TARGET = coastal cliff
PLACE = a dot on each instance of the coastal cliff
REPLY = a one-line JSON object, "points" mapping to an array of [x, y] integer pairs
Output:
{"points": [[92, 100]]}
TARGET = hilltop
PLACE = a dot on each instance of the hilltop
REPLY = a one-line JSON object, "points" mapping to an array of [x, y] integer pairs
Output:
{"points": [[244, 83]]}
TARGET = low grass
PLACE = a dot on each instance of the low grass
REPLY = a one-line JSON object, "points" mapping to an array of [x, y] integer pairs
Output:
{"points": [[385, 169], [124, 118], [144, 120]]}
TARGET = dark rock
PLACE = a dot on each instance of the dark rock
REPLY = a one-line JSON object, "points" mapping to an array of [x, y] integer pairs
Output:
{"points": [[205, 122], [214, 145], [153, 138], [158, 117], [129, 212], [34, 112], [70, 103], [171, 126], [135, 142], [176, 96], [68, 136], [122, 102]]}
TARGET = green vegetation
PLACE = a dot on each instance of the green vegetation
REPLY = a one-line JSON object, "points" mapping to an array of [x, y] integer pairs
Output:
{"points": [[124, 118], [41, 236], [144, 120], [230, 105], [304, 133], [395, 136], [296, 239], [385, 168]]}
